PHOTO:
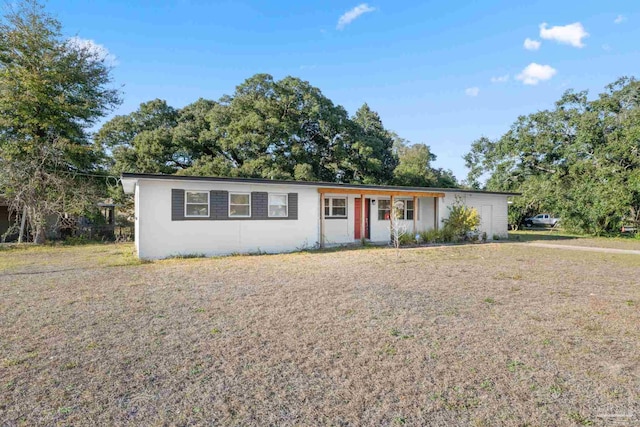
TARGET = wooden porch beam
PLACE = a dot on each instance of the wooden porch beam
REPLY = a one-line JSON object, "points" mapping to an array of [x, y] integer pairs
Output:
{"points": [[399, 193]]}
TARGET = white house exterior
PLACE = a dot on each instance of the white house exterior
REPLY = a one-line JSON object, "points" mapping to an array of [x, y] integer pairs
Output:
{"points": [[179, 215]]}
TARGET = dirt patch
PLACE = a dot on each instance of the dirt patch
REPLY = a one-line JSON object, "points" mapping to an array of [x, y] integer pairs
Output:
{"points": [[495, 334]]}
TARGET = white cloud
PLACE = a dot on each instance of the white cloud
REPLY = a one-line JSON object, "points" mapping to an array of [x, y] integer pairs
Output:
{"points": [[472, 91], [619, 19], [353, 14], [97, 51], [606, 47], [531, 44], [535, 73], [571, 34], [500, 79]]}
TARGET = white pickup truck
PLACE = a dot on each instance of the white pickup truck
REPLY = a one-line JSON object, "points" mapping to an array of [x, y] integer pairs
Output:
{"points": [[541, 220]]}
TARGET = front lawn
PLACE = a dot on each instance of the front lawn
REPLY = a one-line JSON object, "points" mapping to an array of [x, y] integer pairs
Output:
{"points": [[491, 334]]}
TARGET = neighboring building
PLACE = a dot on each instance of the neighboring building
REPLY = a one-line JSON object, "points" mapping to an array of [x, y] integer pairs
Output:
{"points": [[59, 227], [177, 215], [7, 219]]}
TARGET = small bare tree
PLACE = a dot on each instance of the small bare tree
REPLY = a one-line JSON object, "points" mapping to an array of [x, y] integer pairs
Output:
{"points": [[398, 227]]}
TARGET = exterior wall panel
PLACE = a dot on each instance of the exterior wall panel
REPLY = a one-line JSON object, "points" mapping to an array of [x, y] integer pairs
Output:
{"points": [[159, 235], [496, 225]]}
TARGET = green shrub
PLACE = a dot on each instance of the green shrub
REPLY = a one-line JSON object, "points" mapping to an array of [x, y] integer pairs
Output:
{"points": [[461, 221], [447, 235], [430, 236], [437, 236], [407, 239]]}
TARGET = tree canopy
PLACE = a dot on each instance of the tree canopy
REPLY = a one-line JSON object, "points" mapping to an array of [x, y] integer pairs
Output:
{"points": [[276, 129], [580, 160], [51, 91], [414, 167]]}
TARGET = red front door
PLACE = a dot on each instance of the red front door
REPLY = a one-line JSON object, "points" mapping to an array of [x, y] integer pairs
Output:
{"points": [[358, 219]]}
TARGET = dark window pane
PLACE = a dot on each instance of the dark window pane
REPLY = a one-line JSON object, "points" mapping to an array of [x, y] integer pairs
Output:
{"points": [[193, 197], [277, 211], [340, 202], [197, 210], [239, 199], [339, 211], [239, 210], [383, 209]]}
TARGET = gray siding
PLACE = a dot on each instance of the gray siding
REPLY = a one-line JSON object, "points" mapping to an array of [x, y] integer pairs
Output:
{"points": [[216, 209], [219, 206], [260, 205]]}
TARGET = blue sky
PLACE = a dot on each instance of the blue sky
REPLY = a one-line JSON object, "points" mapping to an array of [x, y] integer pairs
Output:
{"points": [[426, 67]]}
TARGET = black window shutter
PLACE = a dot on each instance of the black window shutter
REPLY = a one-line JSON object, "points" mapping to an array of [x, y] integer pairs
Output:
{"points": [[259, 205], [293, 205], [219, 204], [177, 205]]}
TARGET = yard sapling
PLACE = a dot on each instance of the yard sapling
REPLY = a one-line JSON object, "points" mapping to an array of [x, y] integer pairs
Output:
{"points": [[398, 227]]}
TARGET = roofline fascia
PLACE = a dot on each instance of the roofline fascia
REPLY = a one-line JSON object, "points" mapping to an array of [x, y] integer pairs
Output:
{"points": [[163, 177]]}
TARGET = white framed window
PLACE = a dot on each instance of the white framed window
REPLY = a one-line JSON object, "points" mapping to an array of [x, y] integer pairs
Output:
{"points": [[196, 204], [335, 207], [239, 205], [384, 210], [278, 205], [406, 212]]}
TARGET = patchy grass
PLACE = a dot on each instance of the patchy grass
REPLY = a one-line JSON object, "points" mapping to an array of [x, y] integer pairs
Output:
{"points": [[496, 334], [557, 237]]}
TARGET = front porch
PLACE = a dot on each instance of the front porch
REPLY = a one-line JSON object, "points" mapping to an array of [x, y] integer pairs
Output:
{"points": [[344, 218]]}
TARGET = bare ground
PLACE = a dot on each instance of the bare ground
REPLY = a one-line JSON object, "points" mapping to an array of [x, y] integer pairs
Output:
{"points": [[494, 334]]}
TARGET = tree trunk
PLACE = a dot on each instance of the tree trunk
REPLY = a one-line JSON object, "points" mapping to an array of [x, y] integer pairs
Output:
{"points": [[23, 222], [39, 237], [38, 226]]}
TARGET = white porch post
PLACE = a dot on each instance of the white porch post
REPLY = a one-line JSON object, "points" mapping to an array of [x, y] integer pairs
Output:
{"points": [[415, 215], [362, 219], [391, 213], [322, 220]]}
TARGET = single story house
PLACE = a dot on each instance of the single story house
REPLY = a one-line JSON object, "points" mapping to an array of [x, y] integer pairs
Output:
{"points": [[182, 215]]}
